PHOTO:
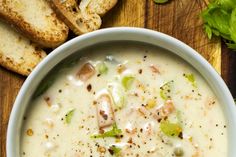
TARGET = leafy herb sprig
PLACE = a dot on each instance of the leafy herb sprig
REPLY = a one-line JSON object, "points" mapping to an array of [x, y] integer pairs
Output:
{"points": [[114, 132], [220, 20]]}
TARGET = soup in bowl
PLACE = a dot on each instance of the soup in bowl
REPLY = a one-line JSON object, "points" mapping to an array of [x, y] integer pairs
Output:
{"points": [[126, 98]]}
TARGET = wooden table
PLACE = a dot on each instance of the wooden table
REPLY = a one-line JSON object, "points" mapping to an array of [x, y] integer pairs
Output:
{"points": [[179, 18]]}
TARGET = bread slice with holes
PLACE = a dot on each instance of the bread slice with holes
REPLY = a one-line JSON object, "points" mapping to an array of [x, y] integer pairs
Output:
{"points": [[82, 16], [36, 20], [17, 53]]}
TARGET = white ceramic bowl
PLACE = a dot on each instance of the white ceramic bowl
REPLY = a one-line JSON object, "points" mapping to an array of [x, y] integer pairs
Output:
{"points": [[120, 34]]}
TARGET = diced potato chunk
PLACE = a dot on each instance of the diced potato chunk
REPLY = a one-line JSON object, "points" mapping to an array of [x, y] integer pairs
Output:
{"points": [[105, 112]]}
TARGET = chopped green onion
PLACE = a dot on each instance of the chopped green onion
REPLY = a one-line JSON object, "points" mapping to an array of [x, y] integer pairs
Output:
{"points": [[114, 132], [69, 115], [191, 79], [127, 81], [102, 68], [170, 129], [166, 90], [114, 150]]}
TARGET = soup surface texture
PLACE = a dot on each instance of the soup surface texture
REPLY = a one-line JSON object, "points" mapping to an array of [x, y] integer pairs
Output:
{"points": [[126, 100]]}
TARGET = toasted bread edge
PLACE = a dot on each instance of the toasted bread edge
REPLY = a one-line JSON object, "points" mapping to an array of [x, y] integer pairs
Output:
{"points": [[30, 32]]}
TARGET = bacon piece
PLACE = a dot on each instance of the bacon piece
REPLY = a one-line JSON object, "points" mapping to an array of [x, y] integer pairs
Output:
{"points": [[164, 111], [105, 112], [148, 128], [48, 100], [86, 72], [142, 111], [154, 69], [130, 129]]}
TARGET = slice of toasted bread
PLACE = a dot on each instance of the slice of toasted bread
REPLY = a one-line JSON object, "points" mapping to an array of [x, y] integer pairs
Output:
{"points": [[36, 20], [16, 52], [101, 7], [84, 17]]}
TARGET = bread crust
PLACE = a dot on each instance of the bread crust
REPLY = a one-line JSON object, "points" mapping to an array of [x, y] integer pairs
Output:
{"points": [[101, 7], [21, 55], [82, 18], [53, 35], [23, 68]]}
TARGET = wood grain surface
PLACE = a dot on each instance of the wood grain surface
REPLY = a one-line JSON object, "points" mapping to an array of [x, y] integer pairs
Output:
{"points": [[178, 18]]}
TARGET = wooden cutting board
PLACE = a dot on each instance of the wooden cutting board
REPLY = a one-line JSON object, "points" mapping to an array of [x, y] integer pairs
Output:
{"points": [[179, 18]]}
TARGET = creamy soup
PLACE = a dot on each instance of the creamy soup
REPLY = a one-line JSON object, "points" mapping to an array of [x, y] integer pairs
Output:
{"points": [[125, 100]]}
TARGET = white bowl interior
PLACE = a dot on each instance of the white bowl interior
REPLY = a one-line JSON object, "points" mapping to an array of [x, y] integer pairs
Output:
{"points": [[120, 34]]}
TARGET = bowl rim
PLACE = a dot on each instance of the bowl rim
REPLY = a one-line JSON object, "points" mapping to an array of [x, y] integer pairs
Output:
{"points": [[123, 32]]}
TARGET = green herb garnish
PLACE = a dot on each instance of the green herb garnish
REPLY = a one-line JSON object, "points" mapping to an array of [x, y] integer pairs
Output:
{"points": [[160, 1], [166, 90], [69, 115], [170, 129], [127, 81], [191, 79], [220, 19], [102, 68], [114, 150], [114, 132]]}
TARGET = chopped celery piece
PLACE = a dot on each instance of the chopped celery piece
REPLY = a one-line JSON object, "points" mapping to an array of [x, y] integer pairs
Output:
{"points": [[170, 129], [114, 132], [166, 90], [102, 68], [191, 79], [118, 95], [69, 116], [127, 81]]}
